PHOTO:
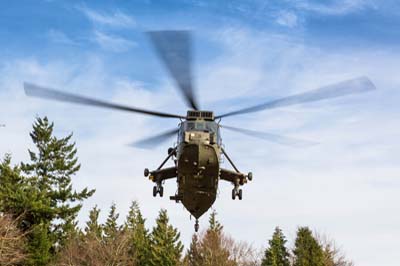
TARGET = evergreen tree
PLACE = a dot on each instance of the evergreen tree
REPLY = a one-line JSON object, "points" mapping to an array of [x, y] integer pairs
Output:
{"points": [[40, 243], [214, 224], [139, 235], [307, 250], [276, 254], [166, 248], [40, 192], [50, 170], [26, 204], [193, 255], [212, 248], [111, 228], [15, 193], [93, 228]]}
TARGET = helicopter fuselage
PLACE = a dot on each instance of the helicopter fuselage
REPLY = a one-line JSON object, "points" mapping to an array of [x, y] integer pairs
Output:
{"points": [[197, 157]]}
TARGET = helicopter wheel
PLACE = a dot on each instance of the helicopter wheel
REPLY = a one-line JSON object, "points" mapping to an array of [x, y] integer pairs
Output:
{"points": [[240, 194], [250, 176], [233, 194], [161, 191], [154, 191], [146, 172]]}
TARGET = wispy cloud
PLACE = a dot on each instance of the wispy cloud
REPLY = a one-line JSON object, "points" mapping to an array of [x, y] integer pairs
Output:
{"points": [[111, 42], [116, 19], [336, 7], [60, 37]]}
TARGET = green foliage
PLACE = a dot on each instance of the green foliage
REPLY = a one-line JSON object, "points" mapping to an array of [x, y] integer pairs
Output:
{"points": [[212, 247], [93, 228], [307, 250], [166, 248], [193, 254], [139, 235], [276, 254], [111, 227], [17, 196], [40, 245], [214, 225], [40, 192]]}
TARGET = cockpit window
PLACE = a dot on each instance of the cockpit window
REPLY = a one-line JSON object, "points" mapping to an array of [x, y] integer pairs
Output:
{"points": [[190, 126], [212, 127], [205, 126], [200, 126]]}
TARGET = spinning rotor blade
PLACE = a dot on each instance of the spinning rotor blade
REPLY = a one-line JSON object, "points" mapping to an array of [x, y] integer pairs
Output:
{"points": [[273, 138], [155, 140], [47, 93], [352, 86], [175, 50]]}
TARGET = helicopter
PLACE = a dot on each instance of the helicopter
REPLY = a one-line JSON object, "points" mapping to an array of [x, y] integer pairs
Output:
{"points": [[199, 151]]}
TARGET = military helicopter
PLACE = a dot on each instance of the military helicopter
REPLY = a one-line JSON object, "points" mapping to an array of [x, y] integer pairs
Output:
{"points": [[198, 153]]}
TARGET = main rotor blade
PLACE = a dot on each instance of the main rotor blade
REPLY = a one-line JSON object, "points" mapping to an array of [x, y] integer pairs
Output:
{"points": [[155, 140], [175, 50], [47, 93], [272, 137], [352, 86]]}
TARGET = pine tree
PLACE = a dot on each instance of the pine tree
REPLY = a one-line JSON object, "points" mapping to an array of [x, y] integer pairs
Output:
{"points": [[212, 249], [193, 255], [40, 243], [93, 228], [276, 254], [139, 235], [307, 250], [50, 171], [40, 192], [15, 193], [214, 225], [111, 228], [166, 248], [26, 204]]}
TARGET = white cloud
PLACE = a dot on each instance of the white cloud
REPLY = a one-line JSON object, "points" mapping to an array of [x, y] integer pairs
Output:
{"points": [[116, 19], [287, 19], [111, 42]]}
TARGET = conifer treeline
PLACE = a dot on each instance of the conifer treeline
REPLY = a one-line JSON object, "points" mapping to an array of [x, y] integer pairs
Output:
{"points": [[38, 224]]}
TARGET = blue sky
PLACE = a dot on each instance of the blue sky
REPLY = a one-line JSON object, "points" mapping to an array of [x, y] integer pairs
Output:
{"points": [[346, 187]]}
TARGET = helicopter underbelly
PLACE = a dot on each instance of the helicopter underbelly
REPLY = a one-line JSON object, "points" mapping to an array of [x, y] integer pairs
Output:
{"points": [[198, 171]]}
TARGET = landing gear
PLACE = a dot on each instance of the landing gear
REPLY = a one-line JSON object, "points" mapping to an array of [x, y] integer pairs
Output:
{"points": [[159, 175], [159, 189], [250, 176], [146, 172], [196, 226], [237, 193]]}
